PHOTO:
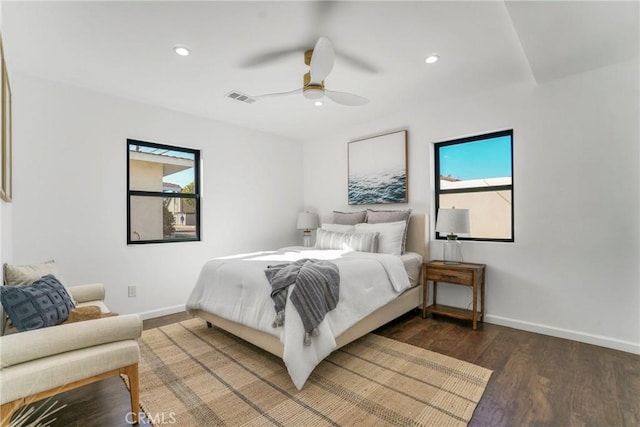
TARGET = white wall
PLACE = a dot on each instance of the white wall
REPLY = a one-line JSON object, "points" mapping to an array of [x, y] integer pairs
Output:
{"points": [[6, 235], [573, 270], [70, 192]]}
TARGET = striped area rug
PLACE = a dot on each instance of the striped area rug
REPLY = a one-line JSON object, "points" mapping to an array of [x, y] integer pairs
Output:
{"points": [[191, 375]]}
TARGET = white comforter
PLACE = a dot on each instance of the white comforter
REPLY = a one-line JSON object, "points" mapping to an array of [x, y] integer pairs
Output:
{"points": [[237, 289]]}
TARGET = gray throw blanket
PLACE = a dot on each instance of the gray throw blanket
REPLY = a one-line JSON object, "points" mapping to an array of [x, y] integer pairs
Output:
{"points": [[316, 291]]}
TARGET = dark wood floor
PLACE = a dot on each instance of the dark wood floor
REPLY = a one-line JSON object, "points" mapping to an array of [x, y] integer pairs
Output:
{"points": [[537, 380]]}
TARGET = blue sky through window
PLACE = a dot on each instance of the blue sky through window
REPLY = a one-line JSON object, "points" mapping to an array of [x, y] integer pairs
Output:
{"points": [[489, 158], [181, 178]]}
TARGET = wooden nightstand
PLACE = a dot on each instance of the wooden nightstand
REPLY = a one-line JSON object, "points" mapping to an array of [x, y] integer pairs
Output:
{"points": [[466, 274]]}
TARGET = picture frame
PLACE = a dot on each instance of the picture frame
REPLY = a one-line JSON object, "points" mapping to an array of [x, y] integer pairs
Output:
{"points": [[6, 174], [377, 169]]}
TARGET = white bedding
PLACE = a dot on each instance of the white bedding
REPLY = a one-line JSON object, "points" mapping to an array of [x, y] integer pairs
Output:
{"points": [[237, 289]]}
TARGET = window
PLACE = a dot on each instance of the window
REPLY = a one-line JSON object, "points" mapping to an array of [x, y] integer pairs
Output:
{"points": [[163, 193], [476, 173]]}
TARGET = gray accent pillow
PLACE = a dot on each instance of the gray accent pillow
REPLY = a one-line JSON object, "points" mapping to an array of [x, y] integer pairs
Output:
{"points": [[39, 305], [349, 218], [361, 242], [377, 217]]}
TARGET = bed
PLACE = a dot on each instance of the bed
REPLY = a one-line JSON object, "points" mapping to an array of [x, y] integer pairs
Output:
{"points": [[300, 361]]}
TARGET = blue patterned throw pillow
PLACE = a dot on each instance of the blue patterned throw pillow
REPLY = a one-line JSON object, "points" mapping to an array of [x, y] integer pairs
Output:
{"points": [[41, 304]]}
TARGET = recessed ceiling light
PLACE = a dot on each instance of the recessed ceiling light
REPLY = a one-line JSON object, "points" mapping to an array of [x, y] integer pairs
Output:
{"points": [[181, 50], [318, 103], [432, 58]]}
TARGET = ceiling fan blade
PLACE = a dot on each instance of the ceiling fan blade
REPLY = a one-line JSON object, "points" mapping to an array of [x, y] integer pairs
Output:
{"points": [[345, 98], [320, 15], [269, 57], [321, 60], [274, 95], [357, 62]]}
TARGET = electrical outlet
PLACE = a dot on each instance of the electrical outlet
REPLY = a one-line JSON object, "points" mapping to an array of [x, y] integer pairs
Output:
{"points": [[132, 291]]}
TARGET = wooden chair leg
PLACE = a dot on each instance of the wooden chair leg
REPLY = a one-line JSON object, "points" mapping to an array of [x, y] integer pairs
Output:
{"points": [[131, 371], [8, 409]]}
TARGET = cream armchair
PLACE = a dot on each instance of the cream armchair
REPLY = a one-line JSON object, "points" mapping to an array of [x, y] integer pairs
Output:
{"points": [[41, 363]]}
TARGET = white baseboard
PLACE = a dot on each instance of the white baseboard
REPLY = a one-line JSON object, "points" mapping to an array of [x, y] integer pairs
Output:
{"points": [[162, 311], [599, 340]]}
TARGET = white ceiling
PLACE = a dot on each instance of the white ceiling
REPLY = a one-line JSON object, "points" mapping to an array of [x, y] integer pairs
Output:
{"points": [[125, 49]]}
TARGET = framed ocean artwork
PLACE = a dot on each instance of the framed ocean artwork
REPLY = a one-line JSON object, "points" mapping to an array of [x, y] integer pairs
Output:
{"points": [[6, 152], [378, 169]]}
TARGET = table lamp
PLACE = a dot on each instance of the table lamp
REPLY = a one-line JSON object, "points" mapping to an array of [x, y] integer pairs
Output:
{"points": [[452, 221], [307, 221]]}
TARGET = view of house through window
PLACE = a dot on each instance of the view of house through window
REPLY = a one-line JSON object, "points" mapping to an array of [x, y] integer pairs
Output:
{"points": [[163, 193], [476, 173]]}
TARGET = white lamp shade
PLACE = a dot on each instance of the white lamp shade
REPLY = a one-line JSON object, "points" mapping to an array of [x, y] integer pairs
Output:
{"points": [[307, 221], [453, 221]]}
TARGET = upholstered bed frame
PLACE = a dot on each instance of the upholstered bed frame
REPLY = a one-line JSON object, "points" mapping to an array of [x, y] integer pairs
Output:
{"points": [[417, 241]]}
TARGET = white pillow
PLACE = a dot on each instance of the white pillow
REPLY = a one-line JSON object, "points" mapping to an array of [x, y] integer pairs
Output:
{"points": [[390, 238], [362, 242], [339, 228]]}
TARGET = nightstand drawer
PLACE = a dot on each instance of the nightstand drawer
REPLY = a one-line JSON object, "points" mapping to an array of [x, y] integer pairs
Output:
{"points": [[450, 276]]}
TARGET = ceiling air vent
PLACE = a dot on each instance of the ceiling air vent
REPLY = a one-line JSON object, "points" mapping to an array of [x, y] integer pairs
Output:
{"points": [[239, 96]]}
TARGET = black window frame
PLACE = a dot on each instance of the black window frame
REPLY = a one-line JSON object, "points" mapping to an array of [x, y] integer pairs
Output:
{"points": [[439, 191], [195, 196]]}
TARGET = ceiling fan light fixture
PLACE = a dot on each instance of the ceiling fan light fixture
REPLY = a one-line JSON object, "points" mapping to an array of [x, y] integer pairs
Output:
{"points": [[313, 93], [320, 62], [181, 50], [433, 58]]}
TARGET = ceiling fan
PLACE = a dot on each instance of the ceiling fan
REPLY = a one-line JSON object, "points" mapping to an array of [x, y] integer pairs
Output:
{"points": [[320, 60]]}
